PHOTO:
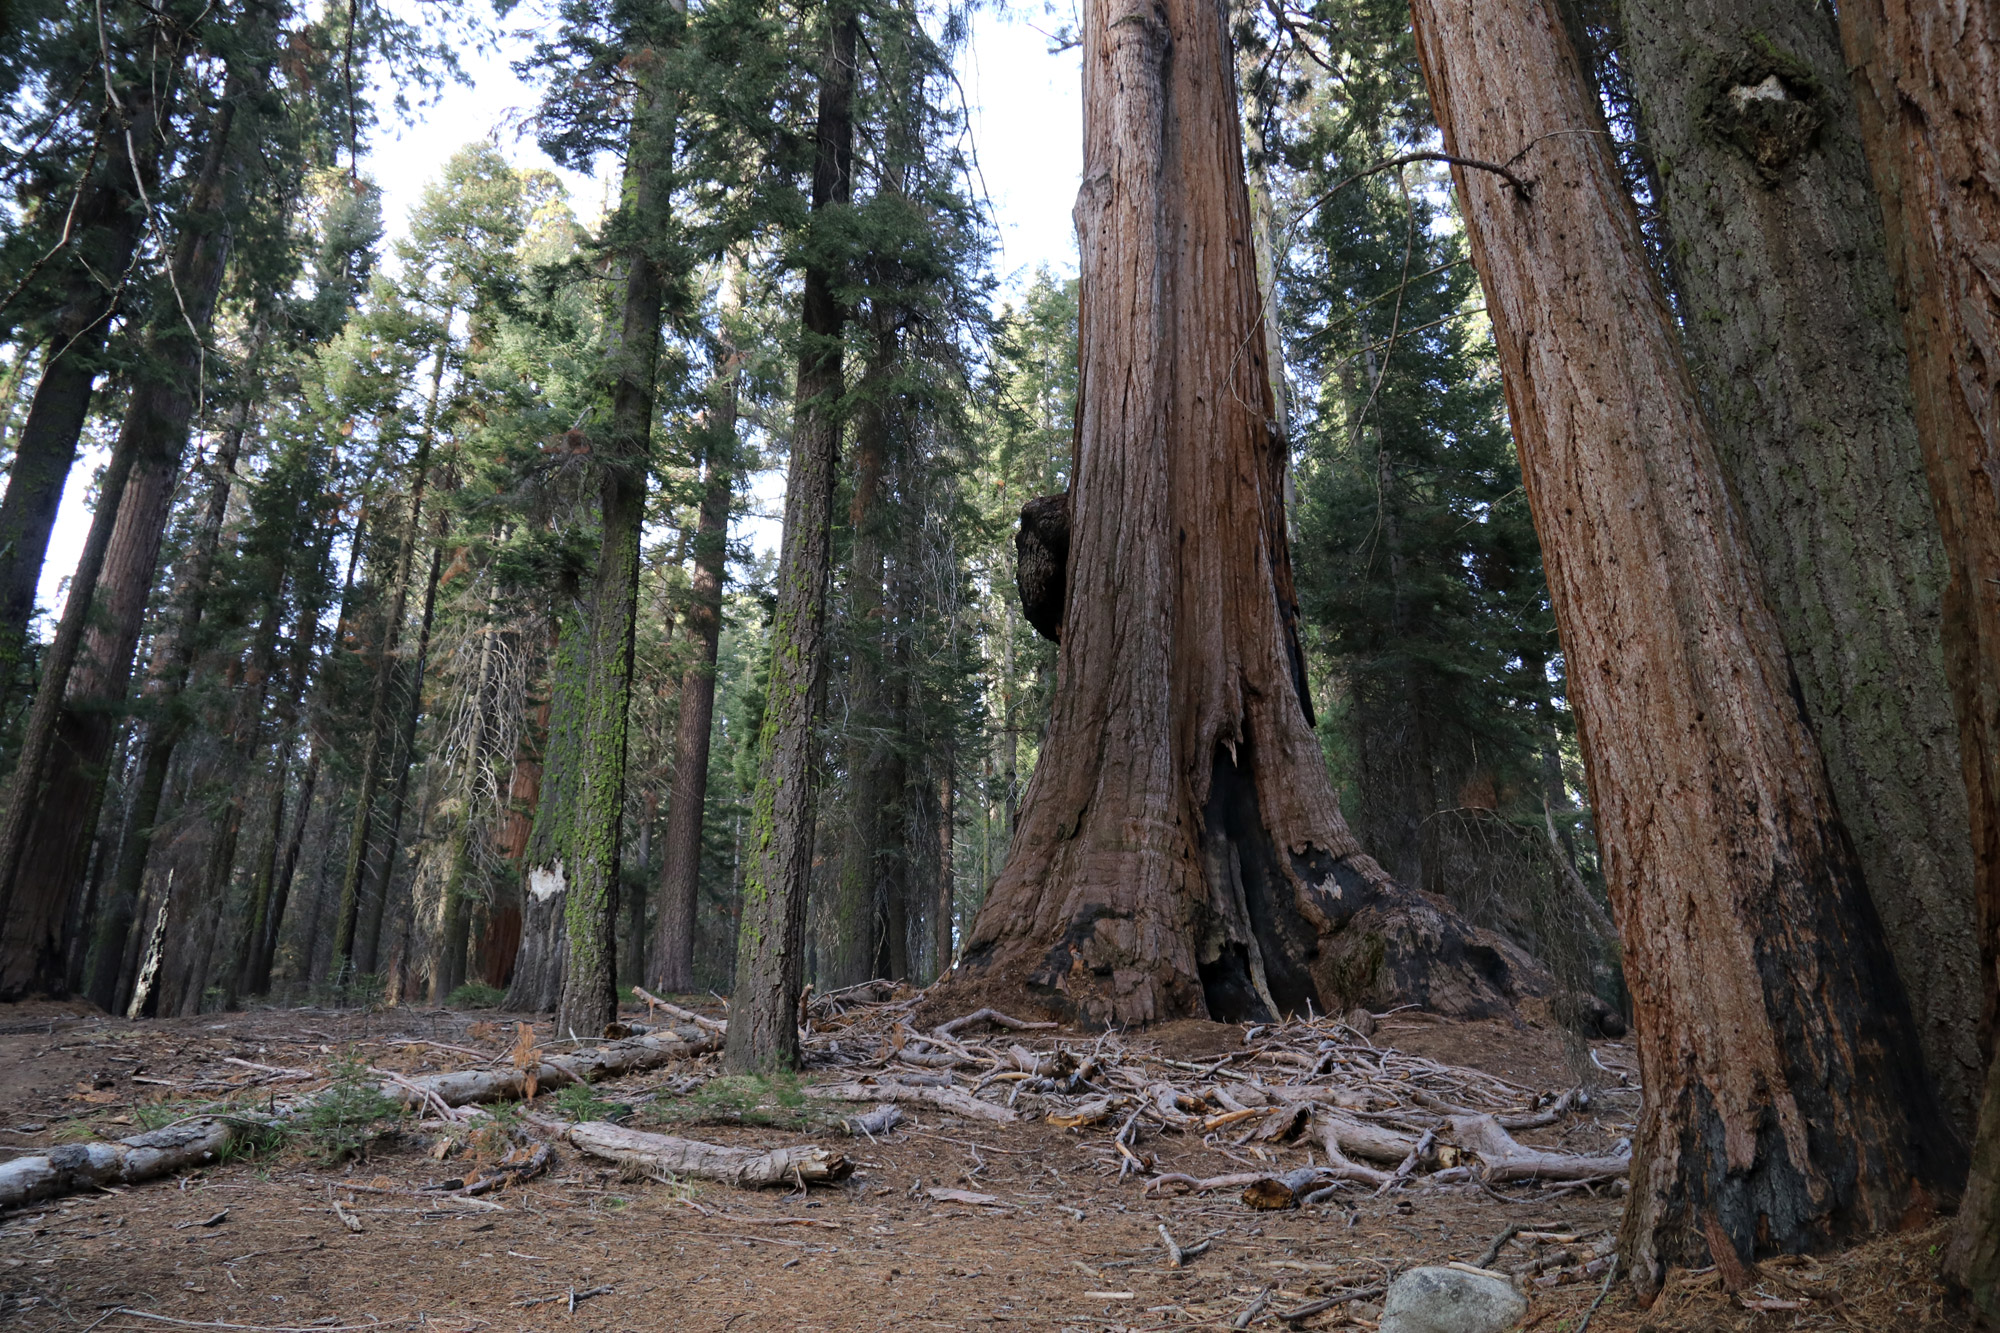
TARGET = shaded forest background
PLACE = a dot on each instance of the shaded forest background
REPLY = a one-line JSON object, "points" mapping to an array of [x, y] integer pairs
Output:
{"points": [[305, 745]]}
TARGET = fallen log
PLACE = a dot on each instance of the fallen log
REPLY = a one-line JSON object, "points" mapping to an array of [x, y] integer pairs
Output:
{"points": [[653, 1002], [878, 1121], [953, 1100], [1505, 1158], [1355, 1138], [200, 1141], [663, 1154], [611, 1060], [993, 1016], [76, 1167]]}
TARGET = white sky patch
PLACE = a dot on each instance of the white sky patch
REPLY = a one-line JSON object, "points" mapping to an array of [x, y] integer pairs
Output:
{"points": [[1026, 122]]}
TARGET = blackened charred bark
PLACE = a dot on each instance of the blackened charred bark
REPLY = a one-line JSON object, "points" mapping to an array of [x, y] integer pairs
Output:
{"points": [[1041, 563], [1786, 1103], [1803, 374]]}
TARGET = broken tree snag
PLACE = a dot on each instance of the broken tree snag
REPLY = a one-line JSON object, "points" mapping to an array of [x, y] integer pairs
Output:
{"points": [[807, 1164], [1041, 562], [1181, 851], [1786, 1104], [76, 1167]]}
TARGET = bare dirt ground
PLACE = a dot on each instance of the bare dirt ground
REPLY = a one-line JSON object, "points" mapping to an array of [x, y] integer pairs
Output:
{"points": [[261, 1243]]}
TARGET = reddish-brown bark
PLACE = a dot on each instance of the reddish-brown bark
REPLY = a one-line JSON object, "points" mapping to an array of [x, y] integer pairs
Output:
{"points": [[1927, 84], [1786, 1105], [1180, 850]]}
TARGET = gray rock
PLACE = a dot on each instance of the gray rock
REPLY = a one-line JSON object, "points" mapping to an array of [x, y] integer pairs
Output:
{"points": [[1449, 1300]]}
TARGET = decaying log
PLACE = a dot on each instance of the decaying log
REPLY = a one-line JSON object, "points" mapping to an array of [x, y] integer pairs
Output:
{"points": [[993, 1016], [1357, 1138], [75, 1167], [674, 1011], [807, 1163], [1504, 1158], [950, 1099], [1271, 1193], [878, 1121]]}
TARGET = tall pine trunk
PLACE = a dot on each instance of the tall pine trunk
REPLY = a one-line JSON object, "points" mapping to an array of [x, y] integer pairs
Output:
{"points": [[58, 785], [770, 941], [1793, 341], [1927, 82], [358, 927], [1787, 1107], [1179, 851], [856, 950], [105, 226], [680, 849], [573, 871]]}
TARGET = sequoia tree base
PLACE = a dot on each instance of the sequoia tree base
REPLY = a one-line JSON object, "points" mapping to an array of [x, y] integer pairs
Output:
{"points": [[1348, 937]]}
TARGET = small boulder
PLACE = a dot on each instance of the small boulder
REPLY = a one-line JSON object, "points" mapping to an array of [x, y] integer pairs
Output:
{"points": [[1451, 1300]]}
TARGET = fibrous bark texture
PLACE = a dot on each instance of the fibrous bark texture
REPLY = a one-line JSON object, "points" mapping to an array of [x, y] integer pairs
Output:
{"points": [[1180, 850], [1927, 84], [770, 944], [1786, 1103], [1792, 335]]}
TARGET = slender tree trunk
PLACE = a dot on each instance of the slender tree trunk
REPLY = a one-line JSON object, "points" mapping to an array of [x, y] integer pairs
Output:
{"points": [[680, 852], [857, 950], [1786, 1103], [770, 949], [404, 755], [357, 927], [1179, 851], [258, 981], [1927, 84], [1792, 340], [943, 911]]}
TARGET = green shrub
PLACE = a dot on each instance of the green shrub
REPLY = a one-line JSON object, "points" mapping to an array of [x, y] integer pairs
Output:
{"points": [[774, 1100], [344, 1119], [580, 1102], [475, 995]]}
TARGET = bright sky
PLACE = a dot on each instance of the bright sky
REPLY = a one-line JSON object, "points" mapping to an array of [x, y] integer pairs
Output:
{"points": [[1027, 134]]}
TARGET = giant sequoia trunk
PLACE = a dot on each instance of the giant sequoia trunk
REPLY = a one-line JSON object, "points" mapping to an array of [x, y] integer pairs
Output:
{"points": [[1180, 850], [770, 944], [1928, 86], [1779, 258], [1786, 1103]]}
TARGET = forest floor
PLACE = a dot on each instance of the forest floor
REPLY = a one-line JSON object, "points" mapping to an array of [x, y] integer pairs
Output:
{"points": [[1045, 1232]]}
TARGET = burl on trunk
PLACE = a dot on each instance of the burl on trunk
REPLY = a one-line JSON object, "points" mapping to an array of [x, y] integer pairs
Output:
{"points": [[1180, 851]]}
